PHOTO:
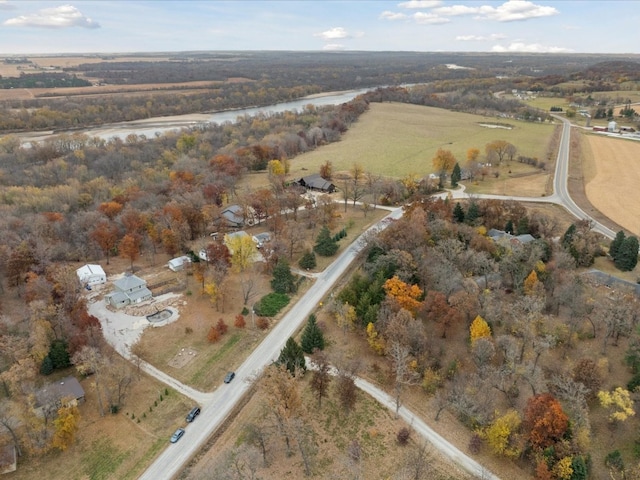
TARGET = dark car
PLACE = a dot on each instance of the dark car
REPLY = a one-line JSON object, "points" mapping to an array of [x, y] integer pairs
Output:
{"points": [[195, 411], [177, 435], [229, 376]]}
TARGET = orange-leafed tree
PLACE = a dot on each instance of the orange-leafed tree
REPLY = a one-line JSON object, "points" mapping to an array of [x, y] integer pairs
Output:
{"points": [[130, 247], [531, 284], [110, 209], [403, 294], [473, 154], [544, 421], [106, 235], [214, 335], [66, 426]]}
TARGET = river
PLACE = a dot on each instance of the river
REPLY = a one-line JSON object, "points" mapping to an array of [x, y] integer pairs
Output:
{"points": [[152, 127]]}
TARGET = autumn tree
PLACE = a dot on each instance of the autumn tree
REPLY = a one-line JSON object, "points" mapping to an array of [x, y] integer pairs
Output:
{"points": [[106, 235], [129, 248], [443, 163], [401, 365], [66, 426], [501, 435], [214, 334], [282, 399], [357, 189], [404, 295], [619, 402], [479, 328], [375, 340], [321, 377], [243, 252], [497, 151], [544, 421], [345, 316]]}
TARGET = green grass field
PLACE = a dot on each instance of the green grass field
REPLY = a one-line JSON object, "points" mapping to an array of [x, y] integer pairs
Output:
{"points": [[394, 140]]}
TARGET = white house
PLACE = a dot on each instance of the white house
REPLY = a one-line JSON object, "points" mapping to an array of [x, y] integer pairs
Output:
{"points": [[178, 263], [91, 275]]}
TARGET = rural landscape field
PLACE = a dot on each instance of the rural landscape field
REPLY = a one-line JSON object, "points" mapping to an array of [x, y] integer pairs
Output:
{"points": [[479, 337]]}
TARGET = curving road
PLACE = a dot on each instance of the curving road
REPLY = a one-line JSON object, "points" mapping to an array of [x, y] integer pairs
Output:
{"points": [[217, 405]]}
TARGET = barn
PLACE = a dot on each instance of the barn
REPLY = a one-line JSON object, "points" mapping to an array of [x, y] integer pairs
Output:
{"points": [[91, 275]]}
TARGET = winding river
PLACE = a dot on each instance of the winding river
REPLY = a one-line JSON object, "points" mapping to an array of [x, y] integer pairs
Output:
{"points": [[152, 127]]}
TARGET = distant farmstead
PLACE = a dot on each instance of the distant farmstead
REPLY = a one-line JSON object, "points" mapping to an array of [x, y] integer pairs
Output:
{"points": [[318, 183], [129, 290], [91, 275]]}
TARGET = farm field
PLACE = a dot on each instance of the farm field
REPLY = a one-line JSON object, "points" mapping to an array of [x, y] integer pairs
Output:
{"points": [[611, 177], [396, 140]]}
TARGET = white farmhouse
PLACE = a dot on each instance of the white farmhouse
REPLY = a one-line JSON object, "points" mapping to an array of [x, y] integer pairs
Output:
{"points": [[91, 275]]}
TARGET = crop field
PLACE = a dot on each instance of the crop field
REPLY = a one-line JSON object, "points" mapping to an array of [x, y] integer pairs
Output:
{"points": [[395, 140], [612, 173]]}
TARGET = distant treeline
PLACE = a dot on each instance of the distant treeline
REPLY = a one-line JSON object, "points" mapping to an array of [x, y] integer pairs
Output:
{"points": [[43, 80]]}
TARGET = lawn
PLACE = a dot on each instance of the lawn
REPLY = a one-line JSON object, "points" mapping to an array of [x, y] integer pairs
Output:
{"points": [[395, 140]]}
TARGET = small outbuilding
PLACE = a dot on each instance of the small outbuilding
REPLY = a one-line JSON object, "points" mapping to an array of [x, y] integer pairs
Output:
{"points": [[91, 275], [179, 263]]}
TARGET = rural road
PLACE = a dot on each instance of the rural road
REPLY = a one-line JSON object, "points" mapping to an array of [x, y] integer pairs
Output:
{"points": [[222, 400], [560, 194], [217, 405]]}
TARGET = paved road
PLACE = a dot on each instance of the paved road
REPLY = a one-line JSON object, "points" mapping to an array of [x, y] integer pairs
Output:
{"points": [[217, 405], [560, 195], [220, 403]]}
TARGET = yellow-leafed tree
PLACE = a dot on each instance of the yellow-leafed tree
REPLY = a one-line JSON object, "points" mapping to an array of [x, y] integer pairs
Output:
{"points": [[406, 295], [479, 329], [563, 470], [501, 435], [66, 427], [376, 342], [619, 402], [531, 283]]}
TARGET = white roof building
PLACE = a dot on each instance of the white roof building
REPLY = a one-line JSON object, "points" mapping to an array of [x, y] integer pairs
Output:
{"points": [[91, 275]]}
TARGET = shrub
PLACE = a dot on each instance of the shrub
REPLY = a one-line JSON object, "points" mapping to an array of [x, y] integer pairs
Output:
{"points": [[614, 460], [47, 366], [403, 436], [262, 323], [245, 311], [475, 444], [222, 327], [114, 409], [213, 335], [271, 304], [239, 321], [188, 330]]}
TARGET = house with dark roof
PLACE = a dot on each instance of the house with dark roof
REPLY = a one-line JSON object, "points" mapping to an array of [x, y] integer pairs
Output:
{"points": [[316, 182], [65, 392], [129, 289], [499, 236], [233, 216]]}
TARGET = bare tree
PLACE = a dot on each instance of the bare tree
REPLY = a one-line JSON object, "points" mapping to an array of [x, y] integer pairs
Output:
{"points": [[321, 376], [416, 464], [404, 375]]}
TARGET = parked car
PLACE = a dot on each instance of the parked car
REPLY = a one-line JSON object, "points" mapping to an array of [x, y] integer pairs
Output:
{"points": [[177, 435], [229, 376], [195, 411]]}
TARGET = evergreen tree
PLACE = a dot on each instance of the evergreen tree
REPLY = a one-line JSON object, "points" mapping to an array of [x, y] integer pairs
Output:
{"points": [[308, 260], [59, 354], [456, 175], [458, 213], [523, 226], [292, 357], [627, 256], [473, 213], [325, 244], [283, 280], [567, 238], [509, 227], [615, 245], [312, 337], [47, 366]]}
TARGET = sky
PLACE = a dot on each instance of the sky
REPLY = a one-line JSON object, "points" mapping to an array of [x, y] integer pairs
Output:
{"points": [[120, 26]]}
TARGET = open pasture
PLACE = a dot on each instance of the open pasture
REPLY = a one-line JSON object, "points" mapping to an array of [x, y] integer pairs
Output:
{"points": [[395, 140]]}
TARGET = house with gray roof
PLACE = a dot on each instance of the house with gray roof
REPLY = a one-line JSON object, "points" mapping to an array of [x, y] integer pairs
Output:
{"points": [[129, 290], [316, 182], [65, 392]]}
